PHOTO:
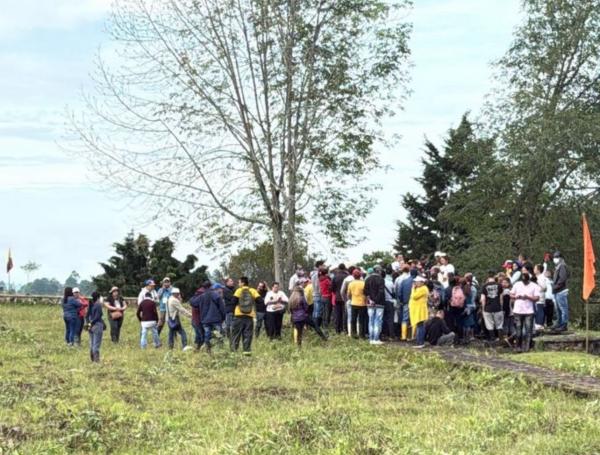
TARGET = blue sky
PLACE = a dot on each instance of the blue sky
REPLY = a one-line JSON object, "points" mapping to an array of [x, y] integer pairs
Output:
{"points": [[57, 214]]}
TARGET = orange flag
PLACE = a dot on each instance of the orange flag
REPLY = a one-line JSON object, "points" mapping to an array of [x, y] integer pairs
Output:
{"points": [[589, 269]]}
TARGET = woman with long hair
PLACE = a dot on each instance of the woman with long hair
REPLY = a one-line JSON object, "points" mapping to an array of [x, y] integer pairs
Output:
{"points": [[301, 317], [71, 307], [95, 326], [115, 306]]}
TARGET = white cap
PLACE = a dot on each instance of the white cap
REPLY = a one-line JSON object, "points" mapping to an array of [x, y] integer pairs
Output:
{"points": [[76, 290], [175, 291], [420, 279]]}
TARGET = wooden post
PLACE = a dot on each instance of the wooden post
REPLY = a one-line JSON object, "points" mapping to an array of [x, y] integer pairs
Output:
{"points": [[587, 326]]}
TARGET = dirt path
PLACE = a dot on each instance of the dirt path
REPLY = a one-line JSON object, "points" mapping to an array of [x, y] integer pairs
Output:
{"points": [[578, 384]]}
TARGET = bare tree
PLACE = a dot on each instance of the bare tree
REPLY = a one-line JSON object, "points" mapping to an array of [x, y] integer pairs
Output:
{"points": [[29, 268], [247, 119]]}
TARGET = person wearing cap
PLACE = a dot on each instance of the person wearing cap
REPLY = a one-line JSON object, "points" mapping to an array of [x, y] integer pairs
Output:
{"points": [[375, 293], [149, 286], [148, 317], [212, 312], [561, 292], [418, 309], [162, 297], [115, 306], [81, 314], [356, 294], [174, 310]]}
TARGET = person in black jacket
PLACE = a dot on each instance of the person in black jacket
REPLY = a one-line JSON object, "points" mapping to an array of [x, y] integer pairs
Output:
{"points": [[561, 292], [95, 326], [375, 292], [437, 332], [339, 310], [212, 311]]}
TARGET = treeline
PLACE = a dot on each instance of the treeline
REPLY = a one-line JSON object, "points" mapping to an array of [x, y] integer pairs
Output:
{"points": [[518, 179]]}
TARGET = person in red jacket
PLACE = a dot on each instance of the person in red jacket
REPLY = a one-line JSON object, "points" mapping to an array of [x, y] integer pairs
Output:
{"points": [[326, 293], [82, 314]]}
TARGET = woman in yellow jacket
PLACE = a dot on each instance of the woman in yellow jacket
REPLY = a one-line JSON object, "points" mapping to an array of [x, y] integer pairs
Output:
{"points": [[418, 309]]}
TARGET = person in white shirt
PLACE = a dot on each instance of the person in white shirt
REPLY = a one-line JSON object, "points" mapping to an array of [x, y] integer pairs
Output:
{"points": [[149, 286], [343, 293], [398, 263], [549, 306], [445, 269], [542, 282], [297, 279], [526, 294], [275, 301]]}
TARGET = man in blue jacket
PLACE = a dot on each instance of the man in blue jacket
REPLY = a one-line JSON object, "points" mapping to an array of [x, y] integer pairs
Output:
{"points": [[404, 297], [212, 311]]}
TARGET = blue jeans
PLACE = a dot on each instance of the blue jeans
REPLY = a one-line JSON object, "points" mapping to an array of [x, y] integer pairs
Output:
{"points": [[71, 329], [375, 322], [420, 334], [144, 338], [173, 332], [198, 335], [95, 341], [318, 308], [349, 316], [540, 314], [562, 308], [208, 330]]}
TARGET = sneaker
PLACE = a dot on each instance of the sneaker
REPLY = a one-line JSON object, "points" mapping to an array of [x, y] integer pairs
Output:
{"points": [[418, 346], [187, 348], [377, 342]]}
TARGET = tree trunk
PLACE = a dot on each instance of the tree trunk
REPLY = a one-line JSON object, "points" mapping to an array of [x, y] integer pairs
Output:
{"points": [[278, 253]]}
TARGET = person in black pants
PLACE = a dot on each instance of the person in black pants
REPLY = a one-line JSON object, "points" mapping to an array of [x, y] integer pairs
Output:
{"points": [[275, 302], [115, 306], [339, 310]]}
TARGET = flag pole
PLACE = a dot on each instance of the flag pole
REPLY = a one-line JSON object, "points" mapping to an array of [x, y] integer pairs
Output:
{"points": [[587, 326]]}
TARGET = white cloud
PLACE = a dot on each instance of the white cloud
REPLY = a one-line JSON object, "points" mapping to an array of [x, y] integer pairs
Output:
{"points": [[28, 15]]}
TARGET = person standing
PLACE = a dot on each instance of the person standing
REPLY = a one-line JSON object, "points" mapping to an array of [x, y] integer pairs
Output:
{"points": [[96, 326], [71, 307], [356, 294], [275, 301], [149, 286], [147, 314], [297, 279], [339, 318], [525, 294], [81, 314], [261, 309], [314, 279], [348, 302], [196, 324], [174, 310], [388, 329], [301, 317], [561, 292], [326, 297], [418, 309], [445, 268], [212, 313], [375, 293], [406, 287], [115, 306], [491, 304], [540, 305], [162, 297], [228, 292], [549, 303], [242, 327]]}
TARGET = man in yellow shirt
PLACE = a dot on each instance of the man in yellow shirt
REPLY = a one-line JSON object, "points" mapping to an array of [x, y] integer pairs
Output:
{"points": [[356, 294], [244, 313]]}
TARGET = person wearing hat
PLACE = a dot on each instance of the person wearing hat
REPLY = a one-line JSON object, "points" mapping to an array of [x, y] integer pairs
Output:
{"points": [[174, 310], [115, 306], [418, 309], [149, 286], [561, 292], [162, 297]]}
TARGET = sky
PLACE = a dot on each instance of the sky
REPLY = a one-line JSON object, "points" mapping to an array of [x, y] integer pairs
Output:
{"points": [[55, 213]]}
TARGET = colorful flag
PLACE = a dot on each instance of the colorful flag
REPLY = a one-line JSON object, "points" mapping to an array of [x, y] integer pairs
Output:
{"points": [[589, 259], [9, 264]]}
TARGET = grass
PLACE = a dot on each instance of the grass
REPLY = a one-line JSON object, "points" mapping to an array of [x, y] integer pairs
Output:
{"points": [[572, 362], [345, 397]]}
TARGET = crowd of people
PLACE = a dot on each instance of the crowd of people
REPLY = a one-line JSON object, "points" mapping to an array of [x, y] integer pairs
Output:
{"points": [[424, 302]]}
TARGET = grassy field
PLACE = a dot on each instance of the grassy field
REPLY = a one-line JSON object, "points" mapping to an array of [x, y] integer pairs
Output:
{"points": [[345, 397], [572, 362]]}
